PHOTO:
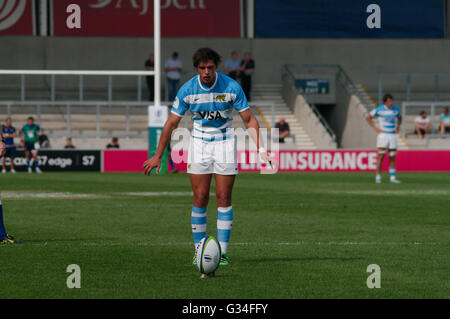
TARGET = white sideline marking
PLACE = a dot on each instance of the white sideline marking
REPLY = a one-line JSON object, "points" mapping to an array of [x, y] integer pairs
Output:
{"points": [[301, 243], [49, 195], [391, 192], [68, 195]]}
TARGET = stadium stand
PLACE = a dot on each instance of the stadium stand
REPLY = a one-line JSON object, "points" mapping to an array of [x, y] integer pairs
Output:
{"points": [[299, 138]]}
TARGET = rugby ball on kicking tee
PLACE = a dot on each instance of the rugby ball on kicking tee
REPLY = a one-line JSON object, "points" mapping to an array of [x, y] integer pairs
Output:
{"points": [[207, 255]]}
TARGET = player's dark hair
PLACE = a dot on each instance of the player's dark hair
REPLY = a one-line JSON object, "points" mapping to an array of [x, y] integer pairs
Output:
{"points": [[422, 112], [30, 118], [387, 96], [204, 55]]}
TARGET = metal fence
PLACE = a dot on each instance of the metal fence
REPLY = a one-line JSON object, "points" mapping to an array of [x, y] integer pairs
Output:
{"points": [[82, 75], [433, 84], [98, 108]]}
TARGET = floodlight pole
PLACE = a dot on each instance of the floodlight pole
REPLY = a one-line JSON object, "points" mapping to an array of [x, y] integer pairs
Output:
{"points": [[157, 45]]}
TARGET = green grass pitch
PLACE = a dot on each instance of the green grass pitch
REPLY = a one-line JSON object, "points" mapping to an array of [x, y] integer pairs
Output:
{"points": [[294, 236]]}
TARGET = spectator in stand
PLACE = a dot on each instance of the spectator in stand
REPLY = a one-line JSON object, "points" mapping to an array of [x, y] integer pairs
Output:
{"points": [[445, 121], [69, 144], [246, 71], [173, 69], [283, 129], [422, 125], [114, 143], [150, 66], [43, 140], [232, 66]]}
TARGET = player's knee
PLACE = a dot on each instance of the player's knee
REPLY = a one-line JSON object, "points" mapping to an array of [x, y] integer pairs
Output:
{"points": [[201, 198], [223, 199], [392, 153]]}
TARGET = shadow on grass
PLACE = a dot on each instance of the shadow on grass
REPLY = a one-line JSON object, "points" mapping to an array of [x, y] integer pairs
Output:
{"points": [[290, 259]]}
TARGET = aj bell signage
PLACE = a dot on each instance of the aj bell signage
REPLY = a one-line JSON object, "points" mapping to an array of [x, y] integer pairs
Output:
{"points": [[16, 17], [135, 18]]}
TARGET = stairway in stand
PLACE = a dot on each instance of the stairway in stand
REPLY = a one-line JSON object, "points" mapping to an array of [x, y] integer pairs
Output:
{"points": [[272, 93]]}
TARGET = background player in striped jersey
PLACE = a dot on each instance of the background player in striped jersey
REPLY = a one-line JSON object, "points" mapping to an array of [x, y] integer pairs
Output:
{"points": [[390, 121], [4, 237], [211, 97]]}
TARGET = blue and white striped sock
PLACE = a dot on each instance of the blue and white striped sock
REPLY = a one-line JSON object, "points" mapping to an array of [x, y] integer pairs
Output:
{"points": [[392, 173], [198, 221], [2, 226], [224, 223]]}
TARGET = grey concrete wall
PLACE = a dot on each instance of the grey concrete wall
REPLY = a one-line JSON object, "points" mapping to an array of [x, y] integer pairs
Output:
{"points": [[354, 131], [347, 119], [304, 114], [363, 59]]}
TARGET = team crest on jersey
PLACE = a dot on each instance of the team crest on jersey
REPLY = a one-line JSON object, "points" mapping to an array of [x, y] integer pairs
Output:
{"points": [[211, 115], [220, 98]]}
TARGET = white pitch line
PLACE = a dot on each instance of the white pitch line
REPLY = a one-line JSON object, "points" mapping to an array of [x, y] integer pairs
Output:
{"points": [[181, 244], [48, 195], [390, 192], [68, 195]]}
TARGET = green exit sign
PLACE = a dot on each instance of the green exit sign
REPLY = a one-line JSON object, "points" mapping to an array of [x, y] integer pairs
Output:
{"points": [[313, 86]]}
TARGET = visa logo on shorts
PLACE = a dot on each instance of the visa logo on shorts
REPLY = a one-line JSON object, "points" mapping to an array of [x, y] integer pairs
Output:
{"points": [[214, 115]]}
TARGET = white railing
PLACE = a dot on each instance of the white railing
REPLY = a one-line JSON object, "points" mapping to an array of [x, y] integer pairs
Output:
{"points": [[81, 74], [407, 77]]}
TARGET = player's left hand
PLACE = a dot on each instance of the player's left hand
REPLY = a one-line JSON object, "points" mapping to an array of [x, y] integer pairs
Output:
{"points": [[151, 163]]}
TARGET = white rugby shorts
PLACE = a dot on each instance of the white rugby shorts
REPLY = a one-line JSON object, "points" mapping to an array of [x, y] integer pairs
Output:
{"points": [[388, 141], [216, 157]]}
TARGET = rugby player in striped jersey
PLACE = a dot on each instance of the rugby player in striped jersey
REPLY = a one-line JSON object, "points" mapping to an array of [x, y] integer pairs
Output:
{"points": [[211, 97]]}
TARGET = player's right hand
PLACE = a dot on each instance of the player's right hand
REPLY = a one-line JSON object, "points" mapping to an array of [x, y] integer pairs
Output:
{"points": [[150, 164], [2, 149], [378, 130]]}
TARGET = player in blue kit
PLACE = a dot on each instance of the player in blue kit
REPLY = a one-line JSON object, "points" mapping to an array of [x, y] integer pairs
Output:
{"points": [[390, 121], [4, 237], [211, 97], [9, 133]]}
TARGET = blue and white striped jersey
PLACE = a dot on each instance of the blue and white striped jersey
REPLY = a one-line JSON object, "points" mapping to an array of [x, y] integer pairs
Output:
{"points": [[211, 107], [387, 117]]}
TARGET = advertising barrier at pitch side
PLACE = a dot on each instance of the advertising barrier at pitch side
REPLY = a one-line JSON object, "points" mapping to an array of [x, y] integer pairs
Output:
{"points": [[61, 160], [298, 161]]}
